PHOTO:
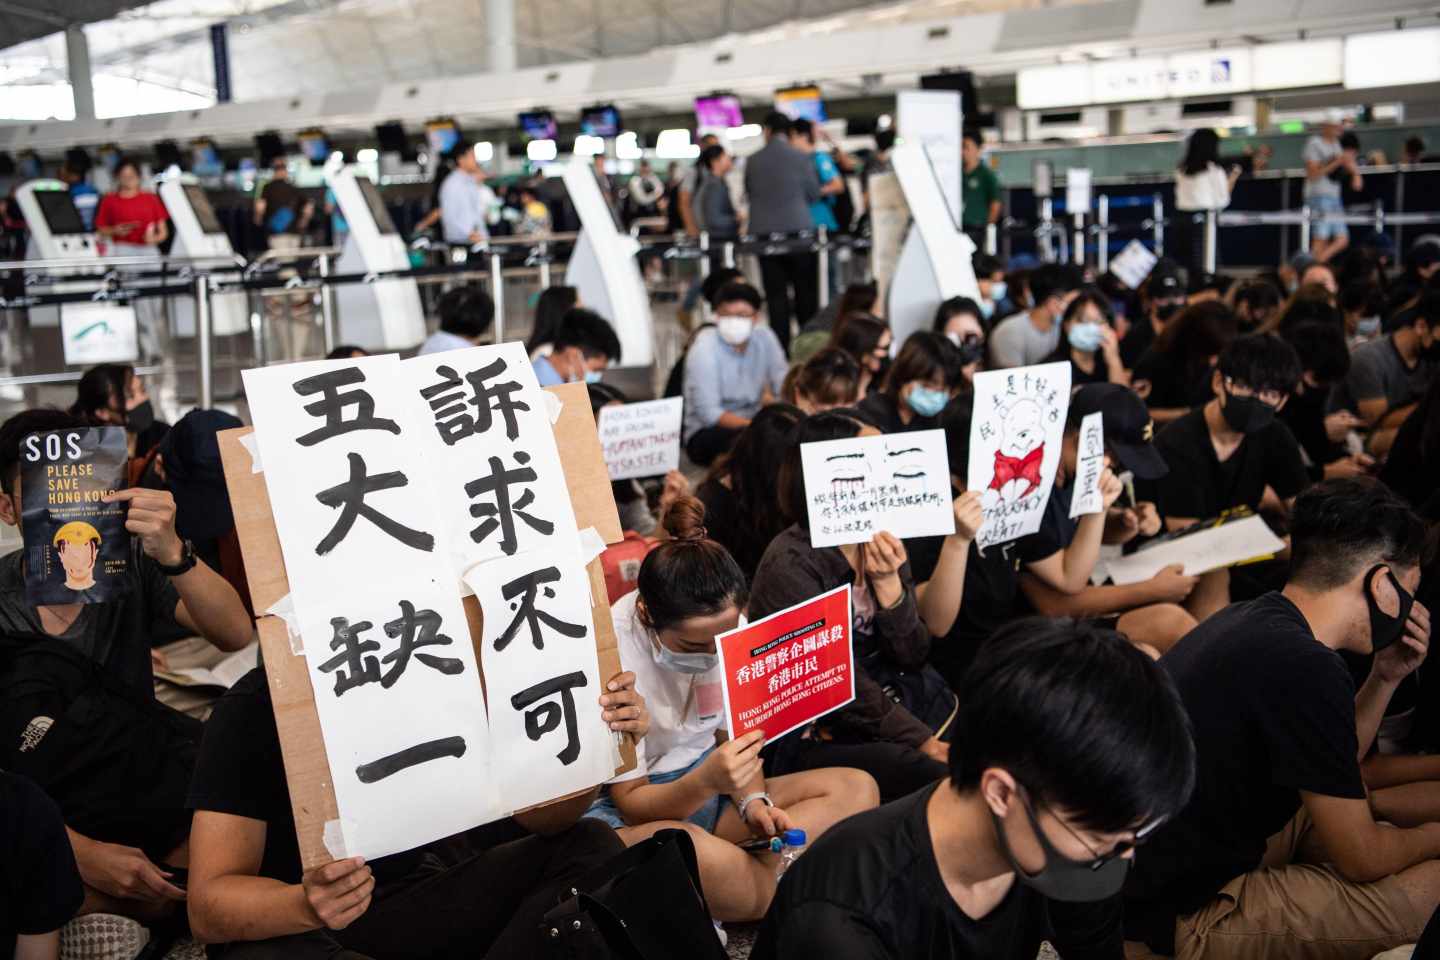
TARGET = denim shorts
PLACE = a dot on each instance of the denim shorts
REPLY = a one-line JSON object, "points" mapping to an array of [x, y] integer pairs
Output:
{"points": [[1327, 229], [604, 809]]}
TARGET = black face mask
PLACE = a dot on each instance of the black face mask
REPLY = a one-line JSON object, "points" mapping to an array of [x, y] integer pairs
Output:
{"points": [[972, 350], [1165, 311], [1385, 629], [140, 419], [1247, 414], [1070, 881]]}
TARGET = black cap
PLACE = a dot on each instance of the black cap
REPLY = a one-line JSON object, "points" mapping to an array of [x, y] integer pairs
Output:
{"points": [[191, 455], [1129, 431], [1167, 280]]}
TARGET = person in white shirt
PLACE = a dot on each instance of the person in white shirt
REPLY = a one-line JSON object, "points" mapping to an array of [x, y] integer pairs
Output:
{"points": [[1200, 184], [688, 776], [465, 201]]}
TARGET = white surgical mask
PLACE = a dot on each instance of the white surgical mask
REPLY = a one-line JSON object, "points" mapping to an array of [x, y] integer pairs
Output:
{"points": [[998, 291], [691, 663], [734, 330]]}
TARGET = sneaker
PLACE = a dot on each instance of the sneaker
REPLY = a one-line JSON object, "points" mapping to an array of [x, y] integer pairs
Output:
{"points": [[102, 936]]}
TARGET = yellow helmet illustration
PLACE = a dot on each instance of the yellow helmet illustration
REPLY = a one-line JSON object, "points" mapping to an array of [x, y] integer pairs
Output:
{"points": [[77, 533]]}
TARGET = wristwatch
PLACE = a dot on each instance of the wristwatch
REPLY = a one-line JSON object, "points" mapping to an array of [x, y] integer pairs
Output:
{"points": [[187, 561]]}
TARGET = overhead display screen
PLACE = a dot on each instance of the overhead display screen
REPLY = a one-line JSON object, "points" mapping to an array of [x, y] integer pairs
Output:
{"points": [[801, 103], [538, 125], [719, 112], [601, 121]]}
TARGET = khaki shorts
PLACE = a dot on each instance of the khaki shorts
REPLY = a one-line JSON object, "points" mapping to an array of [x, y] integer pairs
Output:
{"points": [[1291, 908]]}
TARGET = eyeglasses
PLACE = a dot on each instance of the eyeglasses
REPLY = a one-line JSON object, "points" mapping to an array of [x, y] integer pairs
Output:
{"points": [[1269, 396], [1119, 850]]}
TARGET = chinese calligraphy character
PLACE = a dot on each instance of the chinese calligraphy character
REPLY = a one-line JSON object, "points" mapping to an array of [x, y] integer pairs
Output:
{"points": [[546, 716], [742, 675], [409, 757], [502, 512], [358, 668], [332, 404], [350, 497], [447, 403], [427, 624], [529, 585]]}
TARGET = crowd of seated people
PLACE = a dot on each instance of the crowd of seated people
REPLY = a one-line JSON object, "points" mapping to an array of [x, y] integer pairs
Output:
{"points": [[1207, 764]]}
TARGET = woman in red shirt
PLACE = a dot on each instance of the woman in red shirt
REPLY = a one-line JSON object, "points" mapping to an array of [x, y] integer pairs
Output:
{"points": [[133, 220]]}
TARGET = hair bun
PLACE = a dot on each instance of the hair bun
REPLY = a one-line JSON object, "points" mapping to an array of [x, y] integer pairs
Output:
{"points": [[685, 520]]}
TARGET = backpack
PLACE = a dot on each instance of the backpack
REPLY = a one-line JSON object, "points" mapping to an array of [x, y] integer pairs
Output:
{"points": [[675, 382]]}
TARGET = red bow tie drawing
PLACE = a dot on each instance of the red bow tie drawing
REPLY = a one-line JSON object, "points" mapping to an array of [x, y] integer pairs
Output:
{"points": [[1009, 468]]}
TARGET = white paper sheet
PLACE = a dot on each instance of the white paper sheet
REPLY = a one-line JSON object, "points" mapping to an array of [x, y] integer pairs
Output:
{"points": [[899, 483], [1133, 264], [1199, 552], [1015, 436], [223, 674], [1089, 464], [641, 439]]}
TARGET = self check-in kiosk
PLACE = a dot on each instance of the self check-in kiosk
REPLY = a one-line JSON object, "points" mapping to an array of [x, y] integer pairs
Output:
{"points": [[383, 314], [604, 269], [199, 236]]}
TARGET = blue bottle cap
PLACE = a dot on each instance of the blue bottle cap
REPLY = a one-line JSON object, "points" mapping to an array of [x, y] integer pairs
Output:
{"points": [[794, 838], [776, 845]]}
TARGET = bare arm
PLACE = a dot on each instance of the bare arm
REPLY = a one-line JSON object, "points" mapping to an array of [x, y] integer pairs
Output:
{"points": [[1361, 849], [1372, 409], [227, 900], [938, 599], [1089, 602], [732, 768], [1068, 570], [38, 946], [993, 215]]}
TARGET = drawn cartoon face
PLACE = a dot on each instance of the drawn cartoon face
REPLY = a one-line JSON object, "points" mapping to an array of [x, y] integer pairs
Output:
{"points": [[1023, 430], [78, 544], [906, 466], [849, 473]]}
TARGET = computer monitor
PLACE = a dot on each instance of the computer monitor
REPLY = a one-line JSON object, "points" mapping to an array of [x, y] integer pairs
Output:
{"points": [[801, 103], [376, 203], [600, 121], [719, 111], [204, 212], [59, 211], [538, 125]]}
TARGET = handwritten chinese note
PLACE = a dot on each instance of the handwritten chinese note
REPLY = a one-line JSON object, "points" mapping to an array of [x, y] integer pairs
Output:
{"points": [[1015, 446], [1089, 464], [641, 439], [397, 688], [899, 483]]}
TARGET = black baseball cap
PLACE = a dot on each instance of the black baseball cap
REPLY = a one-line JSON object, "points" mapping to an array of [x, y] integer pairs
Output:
{"points": [[1167, 280], [193, 472], [1129, 431]]}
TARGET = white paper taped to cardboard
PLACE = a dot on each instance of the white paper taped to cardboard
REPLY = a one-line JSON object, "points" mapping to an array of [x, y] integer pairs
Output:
{"points": [[554, 405], [336, 836], [249, 443], [284, 608]]}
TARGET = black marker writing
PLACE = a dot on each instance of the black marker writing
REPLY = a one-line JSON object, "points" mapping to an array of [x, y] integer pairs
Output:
{"points": [[377, 770]]}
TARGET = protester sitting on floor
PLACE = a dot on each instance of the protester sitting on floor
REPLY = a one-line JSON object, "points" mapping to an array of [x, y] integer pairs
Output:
{"points": [[1173, 376], [1060, 557], [739, 493], [583, 347], [827, 381], [962, 322], [1321, 432], [1029, 338], [867, 339], [1091, 346], [923, 378], [77, 698], [39, 886], [550, 308], [688, 776], [731, 371], [877, 734], [113, 394], [1162, 296], [857, 298], [1281, 852], [1254, 302], [995, 304], [1070, 747], [1389, 376], [466, 314], [248, 889]]}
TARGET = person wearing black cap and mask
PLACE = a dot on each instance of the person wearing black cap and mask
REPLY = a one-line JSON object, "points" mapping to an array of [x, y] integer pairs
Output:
{"points": [[1060, 557], [1164, 297], [1070, 747], [1281, 851], [112, 393]]}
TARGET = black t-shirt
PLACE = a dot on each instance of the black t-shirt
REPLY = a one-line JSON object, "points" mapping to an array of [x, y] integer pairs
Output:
{"points": [[41, 889], [1199, 485], [1056, 528], [1136, 341], [988, 600], [117, 634], [726, 525], [879, 409], [241, 772], [870, 889], [1305, 416], [1078, 376], [1273, 713]]}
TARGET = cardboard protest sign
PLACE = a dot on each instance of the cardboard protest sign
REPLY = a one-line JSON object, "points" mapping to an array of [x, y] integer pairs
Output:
{"points": [[1015, 439], [1199, 549], [641, 439], [1089, 464], [77, 549], [1133, 264], [789, 669], [898, 483]]}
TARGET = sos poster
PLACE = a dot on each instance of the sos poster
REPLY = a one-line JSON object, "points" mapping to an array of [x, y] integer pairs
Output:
{"points": [[77, 549], [790, 668]]}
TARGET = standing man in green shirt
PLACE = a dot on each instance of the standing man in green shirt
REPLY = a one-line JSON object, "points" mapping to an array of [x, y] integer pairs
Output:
{"points": [[980, 190]]}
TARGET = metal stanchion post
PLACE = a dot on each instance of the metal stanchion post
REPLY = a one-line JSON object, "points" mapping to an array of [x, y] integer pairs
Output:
{"points": [[1078, 238], [202, 339], [542, 250], [704, 254], [497, 294], [823, 274], [1102, 232], [1379, 216], [1157, 215], [327, 302], [1212, 240], [992, 238], [1047, 226], [729, 251], [1305, 226]]}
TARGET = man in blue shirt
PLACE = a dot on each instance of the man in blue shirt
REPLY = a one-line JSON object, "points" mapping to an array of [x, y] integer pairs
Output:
{"points": [[822, 210], [584, 346], [84, 196], [731, 370]]}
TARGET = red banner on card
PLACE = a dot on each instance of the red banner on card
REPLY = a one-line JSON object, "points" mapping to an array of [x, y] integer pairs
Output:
{"points": [[790, 668]]}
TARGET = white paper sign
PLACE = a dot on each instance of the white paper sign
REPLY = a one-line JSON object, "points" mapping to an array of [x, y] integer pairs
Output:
{"points": [[1199, 552], [1089, 464], [1133, 264], [98, 333], [1077, 190], [641, 439], [1015, 438], [899, 483]]}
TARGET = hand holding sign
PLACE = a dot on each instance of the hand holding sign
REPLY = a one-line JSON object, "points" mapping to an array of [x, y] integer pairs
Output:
{"points": [[857, 487], [151, 517], [733, 766]]}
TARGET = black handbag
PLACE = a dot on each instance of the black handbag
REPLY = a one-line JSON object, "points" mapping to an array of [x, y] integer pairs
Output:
{"points": [[644, 904]]}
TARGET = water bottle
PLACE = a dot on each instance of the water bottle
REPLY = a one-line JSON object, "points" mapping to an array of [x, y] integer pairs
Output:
{"points": [[794, 845]]}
